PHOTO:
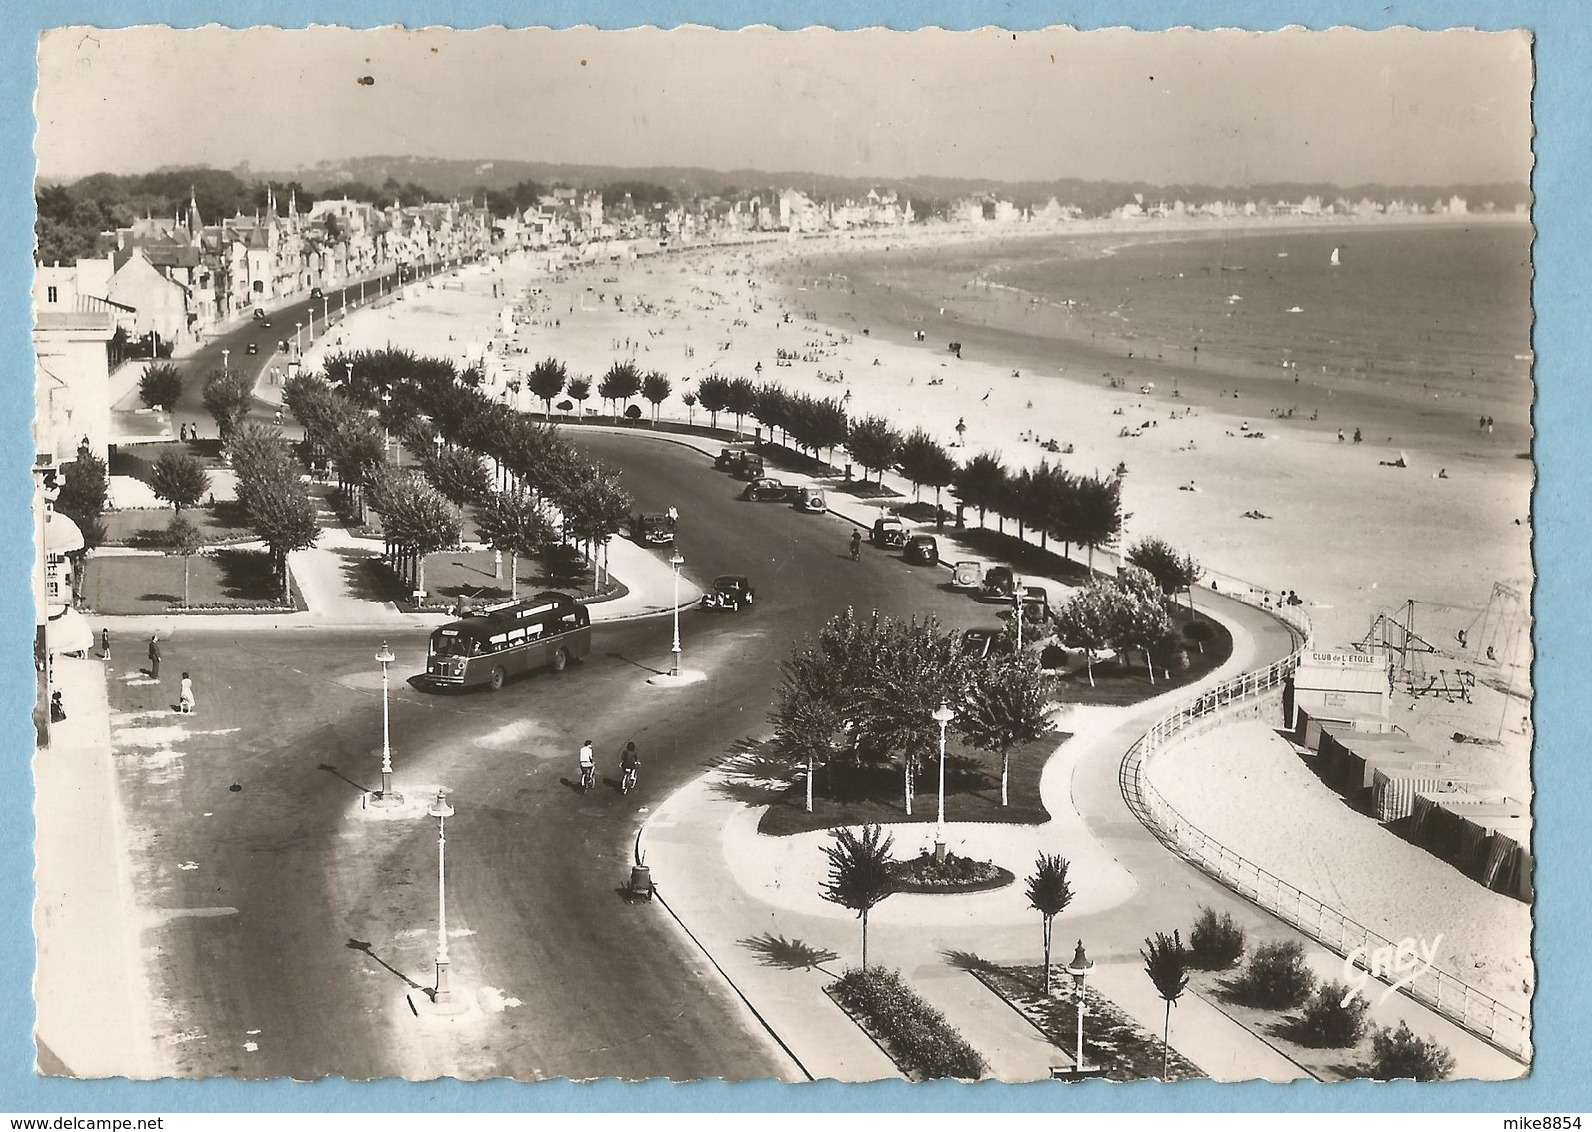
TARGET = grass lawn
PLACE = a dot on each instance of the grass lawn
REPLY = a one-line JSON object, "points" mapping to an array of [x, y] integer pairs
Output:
{"points": [[1111, 1040], [1123, 680], [1282, 1030], [236, 580], [146, 526], [848, 795]]}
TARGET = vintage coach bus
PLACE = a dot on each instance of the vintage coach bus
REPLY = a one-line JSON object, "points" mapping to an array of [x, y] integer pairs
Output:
{"points": [[490, 644]]}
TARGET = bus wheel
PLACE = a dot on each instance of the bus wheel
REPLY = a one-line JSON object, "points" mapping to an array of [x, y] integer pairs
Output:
{"points": [[560, 660], [498, 676]]}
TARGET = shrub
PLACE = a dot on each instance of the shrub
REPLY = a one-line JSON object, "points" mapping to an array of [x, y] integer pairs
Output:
{"points": [[1216, 942], [1334, 1017], [920, 1040], [1399, 1054], [1276, 977]]}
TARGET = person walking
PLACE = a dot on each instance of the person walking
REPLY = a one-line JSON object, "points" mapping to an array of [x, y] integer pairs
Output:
{"points": [[154, 655], [105, 644], [185, 700]]}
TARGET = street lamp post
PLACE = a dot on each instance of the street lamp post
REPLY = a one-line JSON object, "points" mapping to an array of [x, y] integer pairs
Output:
{"points": [[440, 810], [942, 715], [1017, 613], [676, 561], [1079, 969], [326, 313], [225, 354], [385, 657], [298, 333], [386, 433]]}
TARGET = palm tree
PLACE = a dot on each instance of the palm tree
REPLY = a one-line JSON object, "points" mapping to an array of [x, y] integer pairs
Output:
{"points": [[1049, 894], [859, 873], [1166, 963]]}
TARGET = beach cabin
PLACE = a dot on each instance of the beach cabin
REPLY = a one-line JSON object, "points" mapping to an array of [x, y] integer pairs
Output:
{"points": [[1341, 687], [1393, 788], [1483, 833], [1307, 727], [1349, 759]]}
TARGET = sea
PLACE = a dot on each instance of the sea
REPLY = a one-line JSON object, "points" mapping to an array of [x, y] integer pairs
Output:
{"points": [[1436, 316]]}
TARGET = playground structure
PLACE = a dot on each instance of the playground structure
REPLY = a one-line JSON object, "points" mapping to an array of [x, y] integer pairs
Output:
{"points": [[1477, 645]]}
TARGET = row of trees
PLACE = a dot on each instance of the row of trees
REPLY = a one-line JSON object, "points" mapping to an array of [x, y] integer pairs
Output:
{"points": [[1130, 610], [868, 688]]}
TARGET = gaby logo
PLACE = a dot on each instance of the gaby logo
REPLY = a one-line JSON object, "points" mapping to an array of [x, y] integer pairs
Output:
{"points": [[1398, 964]]}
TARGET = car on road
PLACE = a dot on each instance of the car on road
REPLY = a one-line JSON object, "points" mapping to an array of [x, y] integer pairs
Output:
{"points": [[967, 574], [729, 456], [748, 467], [259, 314], [265, 322], [982, 643], [810, 500], [1000, 582], [728, 591], [922, 549], [252, 348], [766, 490], [1036, 604], [888, 531], [315, 292], [652, 530]]}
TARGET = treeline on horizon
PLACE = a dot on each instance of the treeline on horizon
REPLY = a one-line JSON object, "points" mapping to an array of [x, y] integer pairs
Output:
{"points": [[71, 215]]}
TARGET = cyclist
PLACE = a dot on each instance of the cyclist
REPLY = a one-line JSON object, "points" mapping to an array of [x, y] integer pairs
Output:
{"points": [[588, 766], [629, 767], [856, 545]]}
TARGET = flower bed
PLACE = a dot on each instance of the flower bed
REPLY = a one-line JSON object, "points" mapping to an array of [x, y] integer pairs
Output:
{"points": [[954, 874], [915, 1035]]}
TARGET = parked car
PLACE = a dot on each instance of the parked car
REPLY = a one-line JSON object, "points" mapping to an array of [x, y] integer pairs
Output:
{"points": [[888, 531], [259, 314], [748, 467], [252, 348], [967, 574], [764, 490], [981, 643], [315, 292], [1036, 603], [652, 530], [811, 500], [728, 591], [729, 456], [999, 582], [922, 549]]}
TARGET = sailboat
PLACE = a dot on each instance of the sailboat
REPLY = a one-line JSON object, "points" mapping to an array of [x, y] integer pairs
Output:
{"points": [[1336, 262]]}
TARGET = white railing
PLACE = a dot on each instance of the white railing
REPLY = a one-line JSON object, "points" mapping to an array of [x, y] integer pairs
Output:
{"points": [[1248, 695]]}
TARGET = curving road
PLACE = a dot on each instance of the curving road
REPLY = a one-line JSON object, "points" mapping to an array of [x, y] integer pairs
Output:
{"points": [[285, 921]]}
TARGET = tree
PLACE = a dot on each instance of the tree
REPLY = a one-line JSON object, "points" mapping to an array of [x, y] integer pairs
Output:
{"points": [[417, 518], [655, 387], [1006, 707], [859, 873], [714, 393], [924, 461], [579, 390], [595, 506], [183, 537], [1167, 965], [518, 524], [620, 383], [227, 396], [282, 514], [1140, 621], [772, 406], [740, 398], [1173, 572], [689, 400], [460, 475], [160, 386], [547, 381], [979, 482], [1098, 514], [179, 479], [1049, 893], [1399, 1055], [873, 444], [1089, 622], [82, 496]]}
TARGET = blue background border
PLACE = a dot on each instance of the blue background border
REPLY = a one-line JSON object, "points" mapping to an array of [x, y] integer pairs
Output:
{"points": [[1559, 1081]]}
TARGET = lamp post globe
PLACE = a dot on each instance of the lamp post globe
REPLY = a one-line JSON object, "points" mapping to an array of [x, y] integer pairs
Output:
{"points": [[1080, 969]]}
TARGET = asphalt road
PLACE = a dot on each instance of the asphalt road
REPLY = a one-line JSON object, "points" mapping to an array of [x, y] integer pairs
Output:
{"points": [[287, 922]]}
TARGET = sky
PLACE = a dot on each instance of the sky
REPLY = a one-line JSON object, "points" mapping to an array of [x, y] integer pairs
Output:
{"points": [[1223, 108]]}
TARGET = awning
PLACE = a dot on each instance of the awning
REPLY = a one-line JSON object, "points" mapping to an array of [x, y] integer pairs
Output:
{"points": [[61, 535], [69, 632]]}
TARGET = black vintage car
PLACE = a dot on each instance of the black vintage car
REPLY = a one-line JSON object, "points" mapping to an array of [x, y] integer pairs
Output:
{"points": [[888, 531], [922, 549], [729, 456], [728, 591], [652, 530], [252, 348], [767, 490]]}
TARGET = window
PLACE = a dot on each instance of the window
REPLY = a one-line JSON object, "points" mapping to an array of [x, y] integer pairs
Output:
{"points": [[52, 294]]}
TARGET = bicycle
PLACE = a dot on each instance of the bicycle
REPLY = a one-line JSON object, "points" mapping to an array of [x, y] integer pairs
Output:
{"points": [[627, 780], [588, 779]]}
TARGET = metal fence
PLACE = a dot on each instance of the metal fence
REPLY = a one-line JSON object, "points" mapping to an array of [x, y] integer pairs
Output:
{"points": [[1250, 695]]}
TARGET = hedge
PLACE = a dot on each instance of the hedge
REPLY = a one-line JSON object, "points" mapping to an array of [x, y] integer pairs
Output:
{"points": [[916, 1035]]}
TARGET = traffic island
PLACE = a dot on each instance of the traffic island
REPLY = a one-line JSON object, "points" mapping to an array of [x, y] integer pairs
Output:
{"points": [[410, 803], [677, 679]]}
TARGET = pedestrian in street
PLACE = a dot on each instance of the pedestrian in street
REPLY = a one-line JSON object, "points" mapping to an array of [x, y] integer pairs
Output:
{"points": [[185, 701], [57, 708], [105, 644], [154, 655]]}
